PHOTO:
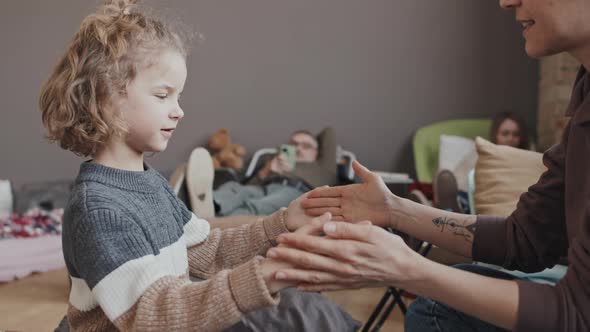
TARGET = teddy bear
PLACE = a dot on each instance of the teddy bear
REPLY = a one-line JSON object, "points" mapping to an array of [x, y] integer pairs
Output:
{"points": [[224, 152]]}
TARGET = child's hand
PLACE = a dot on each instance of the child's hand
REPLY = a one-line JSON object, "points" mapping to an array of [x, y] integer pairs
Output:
{"points": [[295, 216], [270, 266]]}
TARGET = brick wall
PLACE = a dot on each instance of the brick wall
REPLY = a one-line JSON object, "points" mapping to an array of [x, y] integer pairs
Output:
{"points": [[557, 74]]}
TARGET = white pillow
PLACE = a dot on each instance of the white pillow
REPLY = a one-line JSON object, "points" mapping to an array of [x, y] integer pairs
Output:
{"points": [[5, 199], [458, 155]]}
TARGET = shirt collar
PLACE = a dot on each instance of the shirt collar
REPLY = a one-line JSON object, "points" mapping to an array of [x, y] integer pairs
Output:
{"points": [[579, 106], [142, 181]]}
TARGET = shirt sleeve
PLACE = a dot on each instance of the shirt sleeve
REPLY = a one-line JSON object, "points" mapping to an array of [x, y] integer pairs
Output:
{"points": [[533, 237], [563, 307]]}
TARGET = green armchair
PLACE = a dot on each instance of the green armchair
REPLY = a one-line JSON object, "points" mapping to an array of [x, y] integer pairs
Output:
{"points": [[427, 140]]}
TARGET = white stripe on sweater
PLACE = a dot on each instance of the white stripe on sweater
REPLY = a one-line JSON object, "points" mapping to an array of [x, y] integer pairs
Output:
{"points": [[118, 291], [81, 296], [196, 230]]}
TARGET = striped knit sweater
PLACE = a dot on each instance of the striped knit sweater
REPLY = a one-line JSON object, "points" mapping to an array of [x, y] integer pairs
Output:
{"points": [[130, 245]]}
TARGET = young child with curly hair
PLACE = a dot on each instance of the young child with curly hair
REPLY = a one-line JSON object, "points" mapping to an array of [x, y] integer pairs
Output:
{"points": [[128, 242]]}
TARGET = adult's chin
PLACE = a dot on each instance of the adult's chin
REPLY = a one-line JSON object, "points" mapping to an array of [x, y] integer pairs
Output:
{"points": [[538, 50]]}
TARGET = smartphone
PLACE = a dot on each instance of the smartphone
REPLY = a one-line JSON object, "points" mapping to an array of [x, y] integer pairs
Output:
{"points": [[289, 153]]}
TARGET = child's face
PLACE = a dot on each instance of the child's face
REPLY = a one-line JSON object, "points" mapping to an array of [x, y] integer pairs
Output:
{"points": [[151, 108], [553, 26]]}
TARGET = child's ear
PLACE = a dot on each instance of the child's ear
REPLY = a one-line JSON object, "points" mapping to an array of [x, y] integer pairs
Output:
{"points": [[116, 104]]}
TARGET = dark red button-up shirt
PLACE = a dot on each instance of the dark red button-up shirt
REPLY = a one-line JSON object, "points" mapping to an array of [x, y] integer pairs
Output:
{"points": [[551, 220]]}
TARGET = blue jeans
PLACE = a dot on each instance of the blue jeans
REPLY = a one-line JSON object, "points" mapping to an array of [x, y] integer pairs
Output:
{"points": [[428, 315]]}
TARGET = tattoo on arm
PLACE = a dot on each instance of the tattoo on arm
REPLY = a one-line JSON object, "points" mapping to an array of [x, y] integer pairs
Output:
{"points": [[464, 229]]}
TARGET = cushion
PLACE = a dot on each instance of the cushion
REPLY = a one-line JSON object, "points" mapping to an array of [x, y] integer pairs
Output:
{"points": [[457, 154], [5, 199], [502, 174], [48, 195]]}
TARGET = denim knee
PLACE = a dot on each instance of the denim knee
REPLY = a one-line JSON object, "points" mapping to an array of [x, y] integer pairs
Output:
{"points": [[420, 316], [430, 316]]}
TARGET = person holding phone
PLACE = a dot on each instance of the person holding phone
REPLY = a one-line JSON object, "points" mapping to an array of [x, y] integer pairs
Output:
{"points": [[302, 148], [297, 168]]}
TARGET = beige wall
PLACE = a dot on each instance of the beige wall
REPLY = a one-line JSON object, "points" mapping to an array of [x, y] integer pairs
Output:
{"points": [[374, 70], [556, 78]]}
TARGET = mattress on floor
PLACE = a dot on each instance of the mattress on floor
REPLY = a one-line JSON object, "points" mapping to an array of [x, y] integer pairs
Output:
{"points": [[20, 257]]}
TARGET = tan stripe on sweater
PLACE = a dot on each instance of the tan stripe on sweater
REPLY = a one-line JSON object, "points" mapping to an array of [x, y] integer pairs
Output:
{"points": [[226, 248]]}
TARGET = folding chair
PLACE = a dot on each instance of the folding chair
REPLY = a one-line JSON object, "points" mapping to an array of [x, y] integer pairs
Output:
{"points": [[393, 294], [425, 146]]}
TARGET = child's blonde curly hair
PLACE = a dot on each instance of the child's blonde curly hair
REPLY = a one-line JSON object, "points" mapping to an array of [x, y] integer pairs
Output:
{"points": [[103, 58]]}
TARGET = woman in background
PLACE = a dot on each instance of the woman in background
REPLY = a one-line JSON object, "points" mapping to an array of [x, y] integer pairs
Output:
{"points": [[509, 129]]}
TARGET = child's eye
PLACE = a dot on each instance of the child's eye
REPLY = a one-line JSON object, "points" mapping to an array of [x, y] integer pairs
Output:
{"points": [[161, 96]]}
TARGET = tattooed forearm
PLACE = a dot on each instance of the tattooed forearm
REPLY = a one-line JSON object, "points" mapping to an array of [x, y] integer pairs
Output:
{"points": [[464, 229]]}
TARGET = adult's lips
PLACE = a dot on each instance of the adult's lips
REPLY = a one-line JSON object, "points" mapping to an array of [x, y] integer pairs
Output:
{"points": [[526, 24]]}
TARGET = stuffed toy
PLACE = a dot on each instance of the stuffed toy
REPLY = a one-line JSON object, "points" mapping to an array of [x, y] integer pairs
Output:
{"points": [[224, 152]]}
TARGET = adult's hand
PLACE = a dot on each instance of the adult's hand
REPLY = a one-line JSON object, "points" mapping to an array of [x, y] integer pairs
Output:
{"points": [[280, 165], [349, 256], [355, 256], [370, 200], [296, 216], [269, 266], [277, 165]]}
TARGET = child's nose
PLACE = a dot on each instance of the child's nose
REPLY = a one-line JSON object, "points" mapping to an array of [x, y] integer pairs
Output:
{"points": [[178, 113]]}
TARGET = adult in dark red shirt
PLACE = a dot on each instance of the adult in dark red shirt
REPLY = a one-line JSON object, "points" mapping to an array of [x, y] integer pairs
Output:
{"points": [[551, 220]]}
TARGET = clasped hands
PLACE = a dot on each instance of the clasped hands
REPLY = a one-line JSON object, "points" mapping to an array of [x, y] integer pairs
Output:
{"points": [[344, 245]]}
